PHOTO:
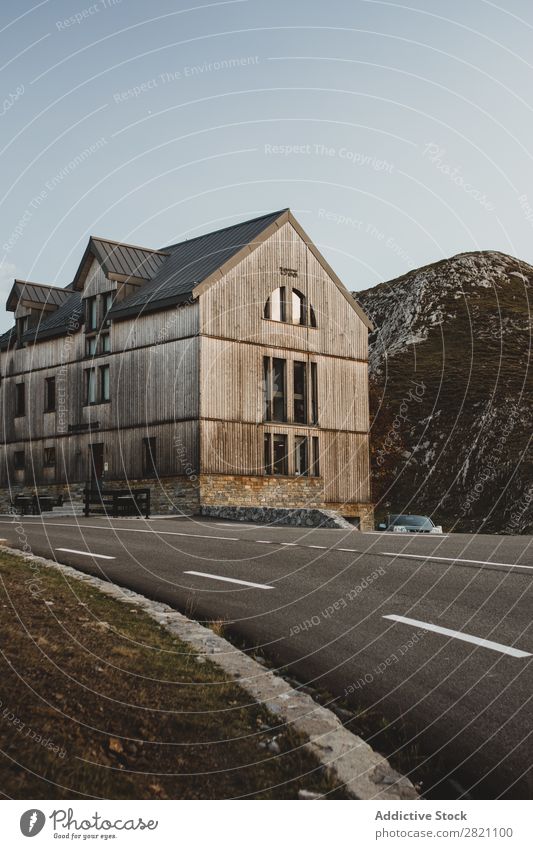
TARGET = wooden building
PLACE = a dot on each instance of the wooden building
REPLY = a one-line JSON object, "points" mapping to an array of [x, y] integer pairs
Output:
{"points": [[229, 369]]}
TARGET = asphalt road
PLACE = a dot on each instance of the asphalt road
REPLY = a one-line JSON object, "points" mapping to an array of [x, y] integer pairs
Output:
{"points": [[452, 674]]}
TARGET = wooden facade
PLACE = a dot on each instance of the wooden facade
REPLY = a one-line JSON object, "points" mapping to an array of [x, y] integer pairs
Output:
{"points": [[178, 393]]}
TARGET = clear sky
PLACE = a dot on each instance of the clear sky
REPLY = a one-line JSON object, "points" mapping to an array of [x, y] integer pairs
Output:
{"points": [[398, 134]]}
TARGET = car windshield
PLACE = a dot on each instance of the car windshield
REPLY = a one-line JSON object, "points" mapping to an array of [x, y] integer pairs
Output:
{"points": [[412, 521]]}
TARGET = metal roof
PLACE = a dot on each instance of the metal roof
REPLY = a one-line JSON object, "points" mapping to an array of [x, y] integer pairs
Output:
{"points": [[58, 322], [127, 260], [189, 263], [40, 293]]}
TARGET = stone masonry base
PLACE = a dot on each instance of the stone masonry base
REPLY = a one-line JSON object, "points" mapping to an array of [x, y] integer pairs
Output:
{"points": [[294, 500]]}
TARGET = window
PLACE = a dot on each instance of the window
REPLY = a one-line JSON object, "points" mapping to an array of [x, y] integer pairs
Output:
{"points": [[90, 386], [268, 454], [19, 459], [289, 305], [315, 468], [105, 343], [104, 383], [22, 326], [300, 455], [49, 458], [149, 457], [299, 308], [300, 392], [107, 303], [314, 394], [280, 454], [49, 394], [276, 305], [274, 389], [20, 399], [90, 346], [91, 313]]}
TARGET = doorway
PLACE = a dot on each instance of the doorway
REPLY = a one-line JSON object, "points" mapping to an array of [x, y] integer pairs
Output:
{"points": [[96, 462]]}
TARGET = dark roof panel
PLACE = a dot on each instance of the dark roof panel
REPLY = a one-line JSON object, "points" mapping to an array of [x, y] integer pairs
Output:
{"points": [[192, 261], [58, 322], [39, 293], [128, 260]]}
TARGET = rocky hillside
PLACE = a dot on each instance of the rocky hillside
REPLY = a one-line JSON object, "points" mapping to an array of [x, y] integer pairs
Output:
{"points": [[452, 392]]}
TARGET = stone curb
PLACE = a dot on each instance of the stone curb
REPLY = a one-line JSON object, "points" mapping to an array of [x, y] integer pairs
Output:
{"points": [[298, 517], [365, 773]]}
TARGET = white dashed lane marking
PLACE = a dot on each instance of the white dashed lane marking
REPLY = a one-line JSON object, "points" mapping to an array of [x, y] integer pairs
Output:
{"points": [[230, 580], [458, 635], [453, 559], [87, 553]]}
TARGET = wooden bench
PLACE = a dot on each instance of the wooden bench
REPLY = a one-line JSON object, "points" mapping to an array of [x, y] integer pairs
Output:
{"points": [[117, 502], [34, 505]]}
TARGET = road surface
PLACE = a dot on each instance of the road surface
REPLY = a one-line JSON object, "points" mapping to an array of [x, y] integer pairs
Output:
{"points": [[431, 632]]}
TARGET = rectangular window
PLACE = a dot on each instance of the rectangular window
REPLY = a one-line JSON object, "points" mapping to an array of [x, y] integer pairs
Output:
{"points": [[91, 313], [268, 454], [300, 455], [90, 346], [274, 389], [90, 386], [49, 458], [280, 454], [149, 457], [279, 399], [20, 399], [314, 394], [49, 394], [19, 459], [107, 300], [104, 383], [105, 343], [300, 392], [22, 326], [315, 469]]}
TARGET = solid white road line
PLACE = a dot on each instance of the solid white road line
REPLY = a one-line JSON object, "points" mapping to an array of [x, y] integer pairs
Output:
{"points": [[231, 580], [454, 559], [87, 553], [458, 635]]}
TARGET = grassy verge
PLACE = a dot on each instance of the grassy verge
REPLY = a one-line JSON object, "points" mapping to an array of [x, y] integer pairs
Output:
{"points": [[97, 700]]}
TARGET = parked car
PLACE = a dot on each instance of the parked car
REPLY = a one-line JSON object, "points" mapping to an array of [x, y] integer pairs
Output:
{"points": [[405, 523]]}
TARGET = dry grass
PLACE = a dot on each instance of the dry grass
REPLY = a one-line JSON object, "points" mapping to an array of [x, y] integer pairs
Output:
{"points": [[97, 700]]}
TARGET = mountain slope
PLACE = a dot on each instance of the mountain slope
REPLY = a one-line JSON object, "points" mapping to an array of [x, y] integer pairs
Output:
{"points": [[452, 392]]}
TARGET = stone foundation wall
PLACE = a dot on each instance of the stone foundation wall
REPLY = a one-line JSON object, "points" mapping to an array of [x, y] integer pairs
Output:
{"points": [[183, 496], [299, 517], [177, 495], [364, 511], [261, 491]]}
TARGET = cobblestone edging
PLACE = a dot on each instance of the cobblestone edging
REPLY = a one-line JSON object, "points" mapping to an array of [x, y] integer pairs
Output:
{"points": [[365, 773], [306, 517]]}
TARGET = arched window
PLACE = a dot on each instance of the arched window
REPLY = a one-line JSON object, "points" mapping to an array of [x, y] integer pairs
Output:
{"points": [[276, 306], [291, 306]]}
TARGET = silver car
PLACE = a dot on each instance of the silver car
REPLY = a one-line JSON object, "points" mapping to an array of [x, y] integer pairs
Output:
{"points": [[405, 523]]}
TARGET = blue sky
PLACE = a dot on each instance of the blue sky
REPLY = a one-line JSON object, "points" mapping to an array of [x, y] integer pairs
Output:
{"points": [[398, 134]]}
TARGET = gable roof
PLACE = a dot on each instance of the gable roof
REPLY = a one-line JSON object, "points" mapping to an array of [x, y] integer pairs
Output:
{"points": [[120, 260], [37, 293], [171, 275], [190, 262]]}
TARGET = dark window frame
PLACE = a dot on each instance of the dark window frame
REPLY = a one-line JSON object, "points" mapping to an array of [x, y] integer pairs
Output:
{"points": [[300, 399], [301, 455], [104, 396], [20, 400], [49, 457], [18, 464], [281, 438], [49, 395], [275, 396]]}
